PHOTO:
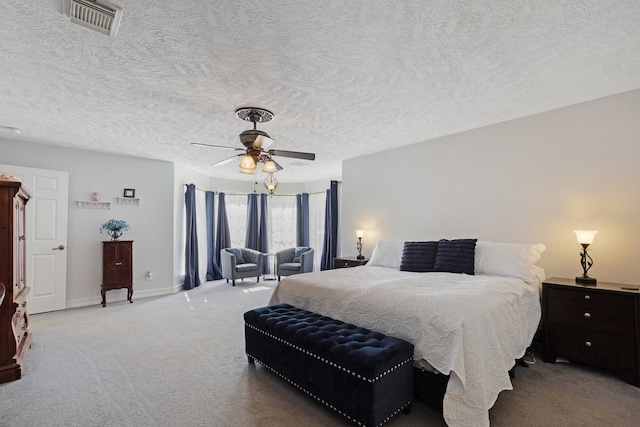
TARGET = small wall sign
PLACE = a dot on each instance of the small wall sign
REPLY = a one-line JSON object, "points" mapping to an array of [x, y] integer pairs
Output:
{"points": [[129, 192]]}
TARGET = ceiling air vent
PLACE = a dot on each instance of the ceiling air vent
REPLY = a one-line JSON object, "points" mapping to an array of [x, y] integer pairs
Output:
{"points": [[99, 16]]}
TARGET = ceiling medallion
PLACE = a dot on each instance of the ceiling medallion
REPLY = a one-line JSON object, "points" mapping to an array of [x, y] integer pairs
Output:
{"points": [[254, 114]]}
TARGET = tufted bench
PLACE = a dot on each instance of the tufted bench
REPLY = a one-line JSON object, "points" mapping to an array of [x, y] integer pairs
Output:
{"points": [[363, 375]]}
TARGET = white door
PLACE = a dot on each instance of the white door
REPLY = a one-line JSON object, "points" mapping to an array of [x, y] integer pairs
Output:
{"points": [[46, 234]]}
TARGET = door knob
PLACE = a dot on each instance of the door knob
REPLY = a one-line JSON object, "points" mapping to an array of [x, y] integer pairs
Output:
{"points": [[59, 248]]}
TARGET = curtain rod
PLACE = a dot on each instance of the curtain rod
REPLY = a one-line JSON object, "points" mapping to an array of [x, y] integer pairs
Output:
{"points": [[244, 194]]}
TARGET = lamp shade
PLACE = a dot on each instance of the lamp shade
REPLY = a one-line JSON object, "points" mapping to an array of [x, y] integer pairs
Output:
{"points": [[269, 167], [247, 163], [585, 237], [359, 234]]}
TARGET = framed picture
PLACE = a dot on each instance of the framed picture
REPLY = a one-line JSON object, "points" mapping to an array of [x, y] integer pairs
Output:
{"points": [[129, 192]]}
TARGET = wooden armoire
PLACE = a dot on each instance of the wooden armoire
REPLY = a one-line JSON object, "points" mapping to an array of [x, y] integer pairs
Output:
{"points": [[15, 337]]}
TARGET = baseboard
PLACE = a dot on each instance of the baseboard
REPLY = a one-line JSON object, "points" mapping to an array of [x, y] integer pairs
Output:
{"points": [[117, 295]]}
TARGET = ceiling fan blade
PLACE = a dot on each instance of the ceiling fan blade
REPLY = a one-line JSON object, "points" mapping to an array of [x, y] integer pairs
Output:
{"points": [[294, 154], [277, 165], [262, 142], [225, 161], [200, 144]]}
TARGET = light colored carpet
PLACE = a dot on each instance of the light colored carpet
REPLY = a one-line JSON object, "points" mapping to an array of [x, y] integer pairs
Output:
{"points": [[179, 361]]}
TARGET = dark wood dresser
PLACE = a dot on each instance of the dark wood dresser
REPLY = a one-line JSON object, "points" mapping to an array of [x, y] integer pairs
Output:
{"points": [[597, 325], [15, 336], [347, 262], [117, 267]]}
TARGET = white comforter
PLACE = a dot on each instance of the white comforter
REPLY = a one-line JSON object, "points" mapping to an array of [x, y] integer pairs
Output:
{"points": [[470, 327]]}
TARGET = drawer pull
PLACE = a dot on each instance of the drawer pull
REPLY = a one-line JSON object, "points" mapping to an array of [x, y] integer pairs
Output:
{"points": [[118, 263], [587, 315], [588, 343], [587, 297]]}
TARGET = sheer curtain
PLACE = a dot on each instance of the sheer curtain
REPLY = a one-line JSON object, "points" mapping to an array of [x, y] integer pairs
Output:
{"points": [[282, 219], [237, 218]]}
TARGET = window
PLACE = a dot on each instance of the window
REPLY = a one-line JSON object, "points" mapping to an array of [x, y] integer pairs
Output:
{"points": [[237, 218], [282, 223]]}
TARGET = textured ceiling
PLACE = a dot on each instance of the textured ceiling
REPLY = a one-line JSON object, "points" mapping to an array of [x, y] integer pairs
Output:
{"points": [[344, 78]]}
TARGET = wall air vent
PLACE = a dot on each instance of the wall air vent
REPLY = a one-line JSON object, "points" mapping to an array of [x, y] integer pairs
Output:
{"points": [[96, 15]]}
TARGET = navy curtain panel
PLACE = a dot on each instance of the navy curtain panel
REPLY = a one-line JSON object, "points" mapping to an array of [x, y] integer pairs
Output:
{"points": [[191, 267], [302, 219], [251, 239], [330, 244], [263, 238], [213, 269], [223, 237]]}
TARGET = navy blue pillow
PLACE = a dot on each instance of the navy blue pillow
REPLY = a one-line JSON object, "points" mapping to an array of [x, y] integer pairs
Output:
{"points": [[238, 255], [298, 253], [418, 256], [456, 256]]}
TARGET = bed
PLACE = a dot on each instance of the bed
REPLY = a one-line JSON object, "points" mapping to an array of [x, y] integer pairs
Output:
{"points": [[471, 327]]}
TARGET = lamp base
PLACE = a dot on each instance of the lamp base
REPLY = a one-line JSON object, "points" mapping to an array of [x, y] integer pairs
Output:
{"points": [[360, 257], [586, 280]]}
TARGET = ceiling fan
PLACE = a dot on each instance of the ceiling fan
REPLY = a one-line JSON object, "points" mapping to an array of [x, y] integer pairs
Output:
{"points": [[256, 144]]}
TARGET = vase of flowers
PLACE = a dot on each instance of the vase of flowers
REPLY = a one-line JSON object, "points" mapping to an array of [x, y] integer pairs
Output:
{"points": [[114, 228]]}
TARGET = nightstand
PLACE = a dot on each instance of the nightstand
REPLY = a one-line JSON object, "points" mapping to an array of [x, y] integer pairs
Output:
{"points": [[597, 325], [349, 261]]}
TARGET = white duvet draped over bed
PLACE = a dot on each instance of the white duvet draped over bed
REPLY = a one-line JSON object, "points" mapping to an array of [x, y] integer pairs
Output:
{"points": [[469, 327]]}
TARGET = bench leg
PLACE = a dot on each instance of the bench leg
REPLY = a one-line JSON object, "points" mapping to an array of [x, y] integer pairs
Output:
{"points": [[407, 410], [251, 359]]}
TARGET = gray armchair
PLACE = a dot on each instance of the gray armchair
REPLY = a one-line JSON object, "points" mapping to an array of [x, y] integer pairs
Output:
{"points": [[294, 261], [238, 263]]}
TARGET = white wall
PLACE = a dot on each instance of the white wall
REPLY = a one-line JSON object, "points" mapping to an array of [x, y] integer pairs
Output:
{"points": [[533, 179], [151, 223]]}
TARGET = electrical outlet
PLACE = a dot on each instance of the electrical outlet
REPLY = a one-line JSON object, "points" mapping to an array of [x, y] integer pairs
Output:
{"points": [[147, 275]]}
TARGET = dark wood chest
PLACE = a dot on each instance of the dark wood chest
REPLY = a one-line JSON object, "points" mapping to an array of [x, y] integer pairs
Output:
{"points": [[117, 267], [597, 325]]}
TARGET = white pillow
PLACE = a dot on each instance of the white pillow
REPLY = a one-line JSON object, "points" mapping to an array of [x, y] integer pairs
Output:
{"points": [[509, 259], [540, 274], [387, 253]]}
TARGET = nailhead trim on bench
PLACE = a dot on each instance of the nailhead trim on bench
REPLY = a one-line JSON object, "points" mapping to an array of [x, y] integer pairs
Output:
{"points": [[305, 351], [406, 405]]}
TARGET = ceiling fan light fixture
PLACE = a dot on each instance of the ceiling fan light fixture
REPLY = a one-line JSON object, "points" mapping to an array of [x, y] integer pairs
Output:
{"points": [[256, 146], [247, 164], [270, 167], [271, 183]]}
